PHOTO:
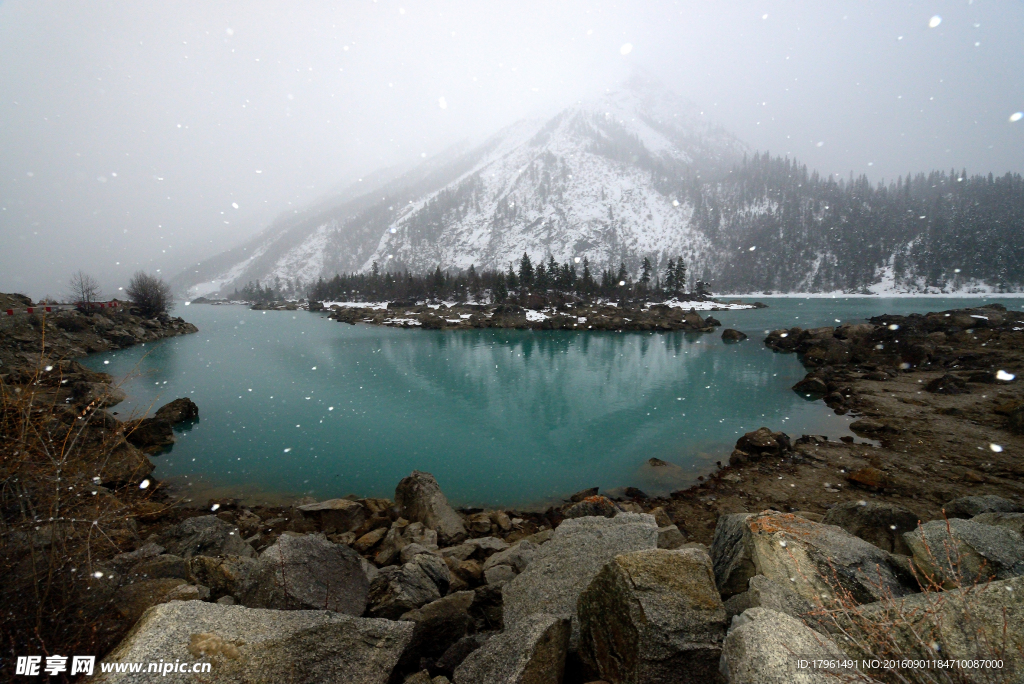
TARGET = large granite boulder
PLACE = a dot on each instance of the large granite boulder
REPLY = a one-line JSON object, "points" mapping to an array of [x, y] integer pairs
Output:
{"points": [[336, 515], [765, 647], [962, 552], [564, 566], [252, 646], [970, 506], [653, 617], [206, 535], [883, 524], [308, 573], [420, 499], [813, 559], [760, 443], [531, 652]]}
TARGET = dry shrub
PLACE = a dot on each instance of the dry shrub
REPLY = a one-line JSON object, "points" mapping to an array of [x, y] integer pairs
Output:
{"points": [[57, 524]]}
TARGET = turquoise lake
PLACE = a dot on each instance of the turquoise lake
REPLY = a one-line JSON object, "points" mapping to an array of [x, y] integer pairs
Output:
{"points": [[295, 404]]}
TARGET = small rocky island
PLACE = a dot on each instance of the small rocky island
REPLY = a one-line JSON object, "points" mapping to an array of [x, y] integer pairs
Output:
{"points": [[542, 314]]}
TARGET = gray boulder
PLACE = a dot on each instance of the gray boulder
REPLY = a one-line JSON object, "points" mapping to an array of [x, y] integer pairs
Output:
{"points": [[669, 537], [1011, 521], [653, 617], [966, 552], [420, 499], [251, 646], [811, 558], [206, 535], [764, 593], [970, 506], [564, 566], [531, 652], [882, 524], [225, 576], [439, 625], [763, 647], [730, 554], [517, 557], [308, 572], [336, 515], [400, 589], [401, 535], [132, 600]]}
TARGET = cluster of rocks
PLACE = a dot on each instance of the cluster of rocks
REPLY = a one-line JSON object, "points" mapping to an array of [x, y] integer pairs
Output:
{"points": [[71, 334], [564, 316], [960, 345], [415, 591]]}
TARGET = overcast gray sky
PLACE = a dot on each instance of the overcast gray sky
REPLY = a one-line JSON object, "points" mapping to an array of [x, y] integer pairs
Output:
{"points": [[129, 131]]}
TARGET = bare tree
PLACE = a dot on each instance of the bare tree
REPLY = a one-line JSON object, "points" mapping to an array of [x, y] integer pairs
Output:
{"points": [[151, 295], [83, 289]]}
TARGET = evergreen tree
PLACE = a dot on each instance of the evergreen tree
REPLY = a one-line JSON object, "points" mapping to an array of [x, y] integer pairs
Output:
{"points": [[525, 271]]}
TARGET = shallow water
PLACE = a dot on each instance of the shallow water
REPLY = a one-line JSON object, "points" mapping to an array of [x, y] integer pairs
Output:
{"points": [[292, 403]]}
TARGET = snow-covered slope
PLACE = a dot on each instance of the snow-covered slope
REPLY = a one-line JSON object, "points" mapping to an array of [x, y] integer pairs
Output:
{"points": [[595, 181]]}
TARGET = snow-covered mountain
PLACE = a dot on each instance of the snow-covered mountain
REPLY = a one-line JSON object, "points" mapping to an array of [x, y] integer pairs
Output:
{"points": [[636, 173], [596, 180]]}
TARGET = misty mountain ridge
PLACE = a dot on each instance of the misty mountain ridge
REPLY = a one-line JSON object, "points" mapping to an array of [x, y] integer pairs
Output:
{"points": [[640, 172]]}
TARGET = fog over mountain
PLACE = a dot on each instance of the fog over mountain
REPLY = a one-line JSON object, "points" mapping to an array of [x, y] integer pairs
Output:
{"points": [[142, 136]]}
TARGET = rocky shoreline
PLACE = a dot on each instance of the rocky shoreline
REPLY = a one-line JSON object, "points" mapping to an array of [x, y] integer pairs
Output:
{"points": [[540, 313], [471, 595]]}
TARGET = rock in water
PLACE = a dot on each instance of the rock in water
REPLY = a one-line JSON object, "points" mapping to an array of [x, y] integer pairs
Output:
{"points": [[763, 646], [421, 500], [252, 646], [966, 551], [531, 652], [563, 567], [308, 572], [730, 335], [206, 535], [882, 524], [177, 411], [653, 617], [809, 557]]}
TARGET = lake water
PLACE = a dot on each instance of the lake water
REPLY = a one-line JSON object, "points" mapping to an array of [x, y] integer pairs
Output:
{"points": [[294, 404]]}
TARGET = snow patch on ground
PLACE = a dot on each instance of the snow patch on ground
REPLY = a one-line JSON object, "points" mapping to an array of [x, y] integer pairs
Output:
{"points": [[706, 306], [357, 305], [535, 316]]}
